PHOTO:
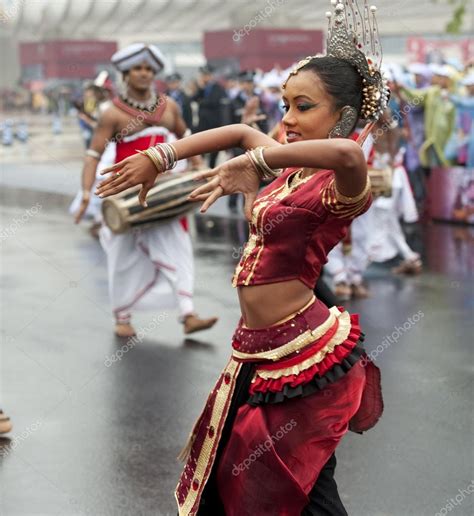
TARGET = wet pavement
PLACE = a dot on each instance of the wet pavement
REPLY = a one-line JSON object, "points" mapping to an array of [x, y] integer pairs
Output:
{"points": [[98, 422]]}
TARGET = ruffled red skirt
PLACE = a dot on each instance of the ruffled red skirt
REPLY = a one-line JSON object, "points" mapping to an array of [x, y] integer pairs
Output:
{"points": [[310, 383]]}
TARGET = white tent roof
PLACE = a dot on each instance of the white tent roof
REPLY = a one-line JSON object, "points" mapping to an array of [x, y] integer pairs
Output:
{"points": [[186, 20]]}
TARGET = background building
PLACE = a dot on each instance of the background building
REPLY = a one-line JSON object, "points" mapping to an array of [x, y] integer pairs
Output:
{"points": [[178, 26]]}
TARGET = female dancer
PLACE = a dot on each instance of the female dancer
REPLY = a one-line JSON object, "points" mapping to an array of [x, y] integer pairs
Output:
{"points": [[298, 377]]}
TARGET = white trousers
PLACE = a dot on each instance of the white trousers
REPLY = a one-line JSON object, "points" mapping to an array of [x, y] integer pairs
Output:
{"points": [[351, 267], [387, 239], [149, 269]]}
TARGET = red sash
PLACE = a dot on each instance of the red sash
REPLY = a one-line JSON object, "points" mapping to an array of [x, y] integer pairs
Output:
{"points": [[126, 149]]}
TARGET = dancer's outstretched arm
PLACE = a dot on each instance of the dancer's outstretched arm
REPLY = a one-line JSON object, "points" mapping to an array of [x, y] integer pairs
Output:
{"points": [[343, 156], [139, 169]]}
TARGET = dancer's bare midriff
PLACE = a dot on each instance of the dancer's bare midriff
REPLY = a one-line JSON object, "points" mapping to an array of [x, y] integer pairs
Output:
{"points": [[265, 305]]}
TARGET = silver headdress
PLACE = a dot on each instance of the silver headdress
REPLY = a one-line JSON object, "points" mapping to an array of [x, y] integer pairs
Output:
{"points": [[353, 37]]}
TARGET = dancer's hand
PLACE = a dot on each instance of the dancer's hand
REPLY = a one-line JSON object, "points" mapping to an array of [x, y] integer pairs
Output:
{"points": [[235, 175], [134, 170], [86, 197], [250, 115]]}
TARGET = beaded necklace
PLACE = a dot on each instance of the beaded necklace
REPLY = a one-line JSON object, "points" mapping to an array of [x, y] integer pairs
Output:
{"points": [[149, 105]]}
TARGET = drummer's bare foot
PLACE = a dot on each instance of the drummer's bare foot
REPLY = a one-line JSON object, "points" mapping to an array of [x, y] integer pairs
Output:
{"points": [[359, 291], [94, 229], [193, 323], [124, 330], [342, 291], [5, 423], [413, 266]]}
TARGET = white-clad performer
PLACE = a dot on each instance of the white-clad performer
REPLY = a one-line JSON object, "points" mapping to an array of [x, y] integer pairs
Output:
{"points": [[377, 235], [103, 88], [349, 259], [149, 268], [386, 239]]}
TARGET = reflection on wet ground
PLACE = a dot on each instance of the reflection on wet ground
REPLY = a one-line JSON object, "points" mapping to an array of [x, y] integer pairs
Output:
{"points": [[98, 422]]}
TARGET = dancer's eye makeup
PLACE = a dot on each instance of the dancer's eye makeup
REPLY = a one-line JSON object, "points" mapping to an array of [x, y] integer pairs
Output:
{"points": [[305, 106]]}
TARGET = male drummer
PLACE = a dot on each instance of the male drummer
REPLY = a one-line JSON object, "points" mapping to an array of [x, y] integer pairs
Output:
{"points": [[150, 268]]}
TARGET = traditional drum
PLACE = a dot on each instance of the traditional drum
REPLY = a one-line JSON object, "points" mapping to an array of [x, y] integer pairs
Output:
{"points": [[166, 200], [381, 181]]}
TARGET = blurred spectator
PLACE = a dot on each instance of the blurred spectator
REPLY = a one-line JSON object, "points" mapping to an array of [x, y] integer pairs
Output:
{"points": [[210, 97], [95, 100], [439, 114], [460, 148], [415, 132], [246, 108], [232, 86], [271, 98], [176, 92]]}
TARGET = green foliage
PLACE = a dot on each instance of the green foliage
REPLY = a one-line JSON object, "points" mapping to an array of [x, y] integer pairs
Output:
{"points": [[454, 26]]}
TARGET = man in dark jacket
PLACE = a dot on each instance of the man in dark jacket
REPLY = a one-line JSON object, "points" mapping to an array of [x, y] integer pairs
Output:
{"points": [[246, 108], [211, 98], [176, 92]]}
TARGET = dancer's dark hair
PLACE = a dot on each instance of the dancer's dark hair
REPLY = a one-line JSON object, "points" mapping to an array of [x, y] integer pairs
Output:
{"points": [[341, 80]]}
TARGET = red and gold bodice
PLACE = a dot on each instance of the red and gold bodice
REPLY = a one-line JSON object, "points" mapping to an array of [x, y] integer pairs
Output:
{"points": [[295, 224]]}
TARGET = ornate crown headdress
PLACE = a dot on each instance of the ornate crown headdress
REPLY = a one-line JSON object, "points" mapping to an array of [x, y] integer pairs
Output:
{"points": [[353, 37]]}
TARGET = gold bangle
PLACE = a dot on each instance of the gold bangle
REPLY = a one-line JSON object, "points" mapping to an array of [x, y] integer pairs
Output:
{"points": [[254, 163], [263, 170], [155, 158], [168, 155], [159, 162], [268, 171], [174, 151]]}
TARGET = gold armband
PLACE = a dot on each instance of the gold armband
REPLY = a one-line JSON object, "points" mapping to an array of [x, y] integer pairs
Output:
{"points": [[343, 206]]}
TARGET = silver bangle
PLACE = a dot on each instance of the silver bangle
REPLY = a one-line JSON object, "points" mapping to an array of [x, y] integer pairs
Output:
{"points": [[93, 154]]}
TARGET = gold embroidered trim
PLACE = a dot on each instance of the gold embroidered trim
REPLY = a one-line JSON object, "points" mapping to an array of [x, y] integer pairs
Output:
{"points": [[265, 207], [249, 247], [342, 206], [338, 338], [209, 445], [294, 345], [352, 200], [261, 206]]}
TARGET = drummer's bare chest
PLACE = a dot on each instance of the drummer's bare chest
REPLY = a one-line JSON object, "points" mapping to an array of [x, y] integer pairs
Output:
{"points": [[127, 125]]}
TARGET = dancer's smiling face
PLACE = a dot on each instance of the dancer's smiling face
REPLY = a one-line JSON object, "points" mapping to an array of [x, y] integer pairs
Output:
{"points": [[310, 110], [140, 77]]}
